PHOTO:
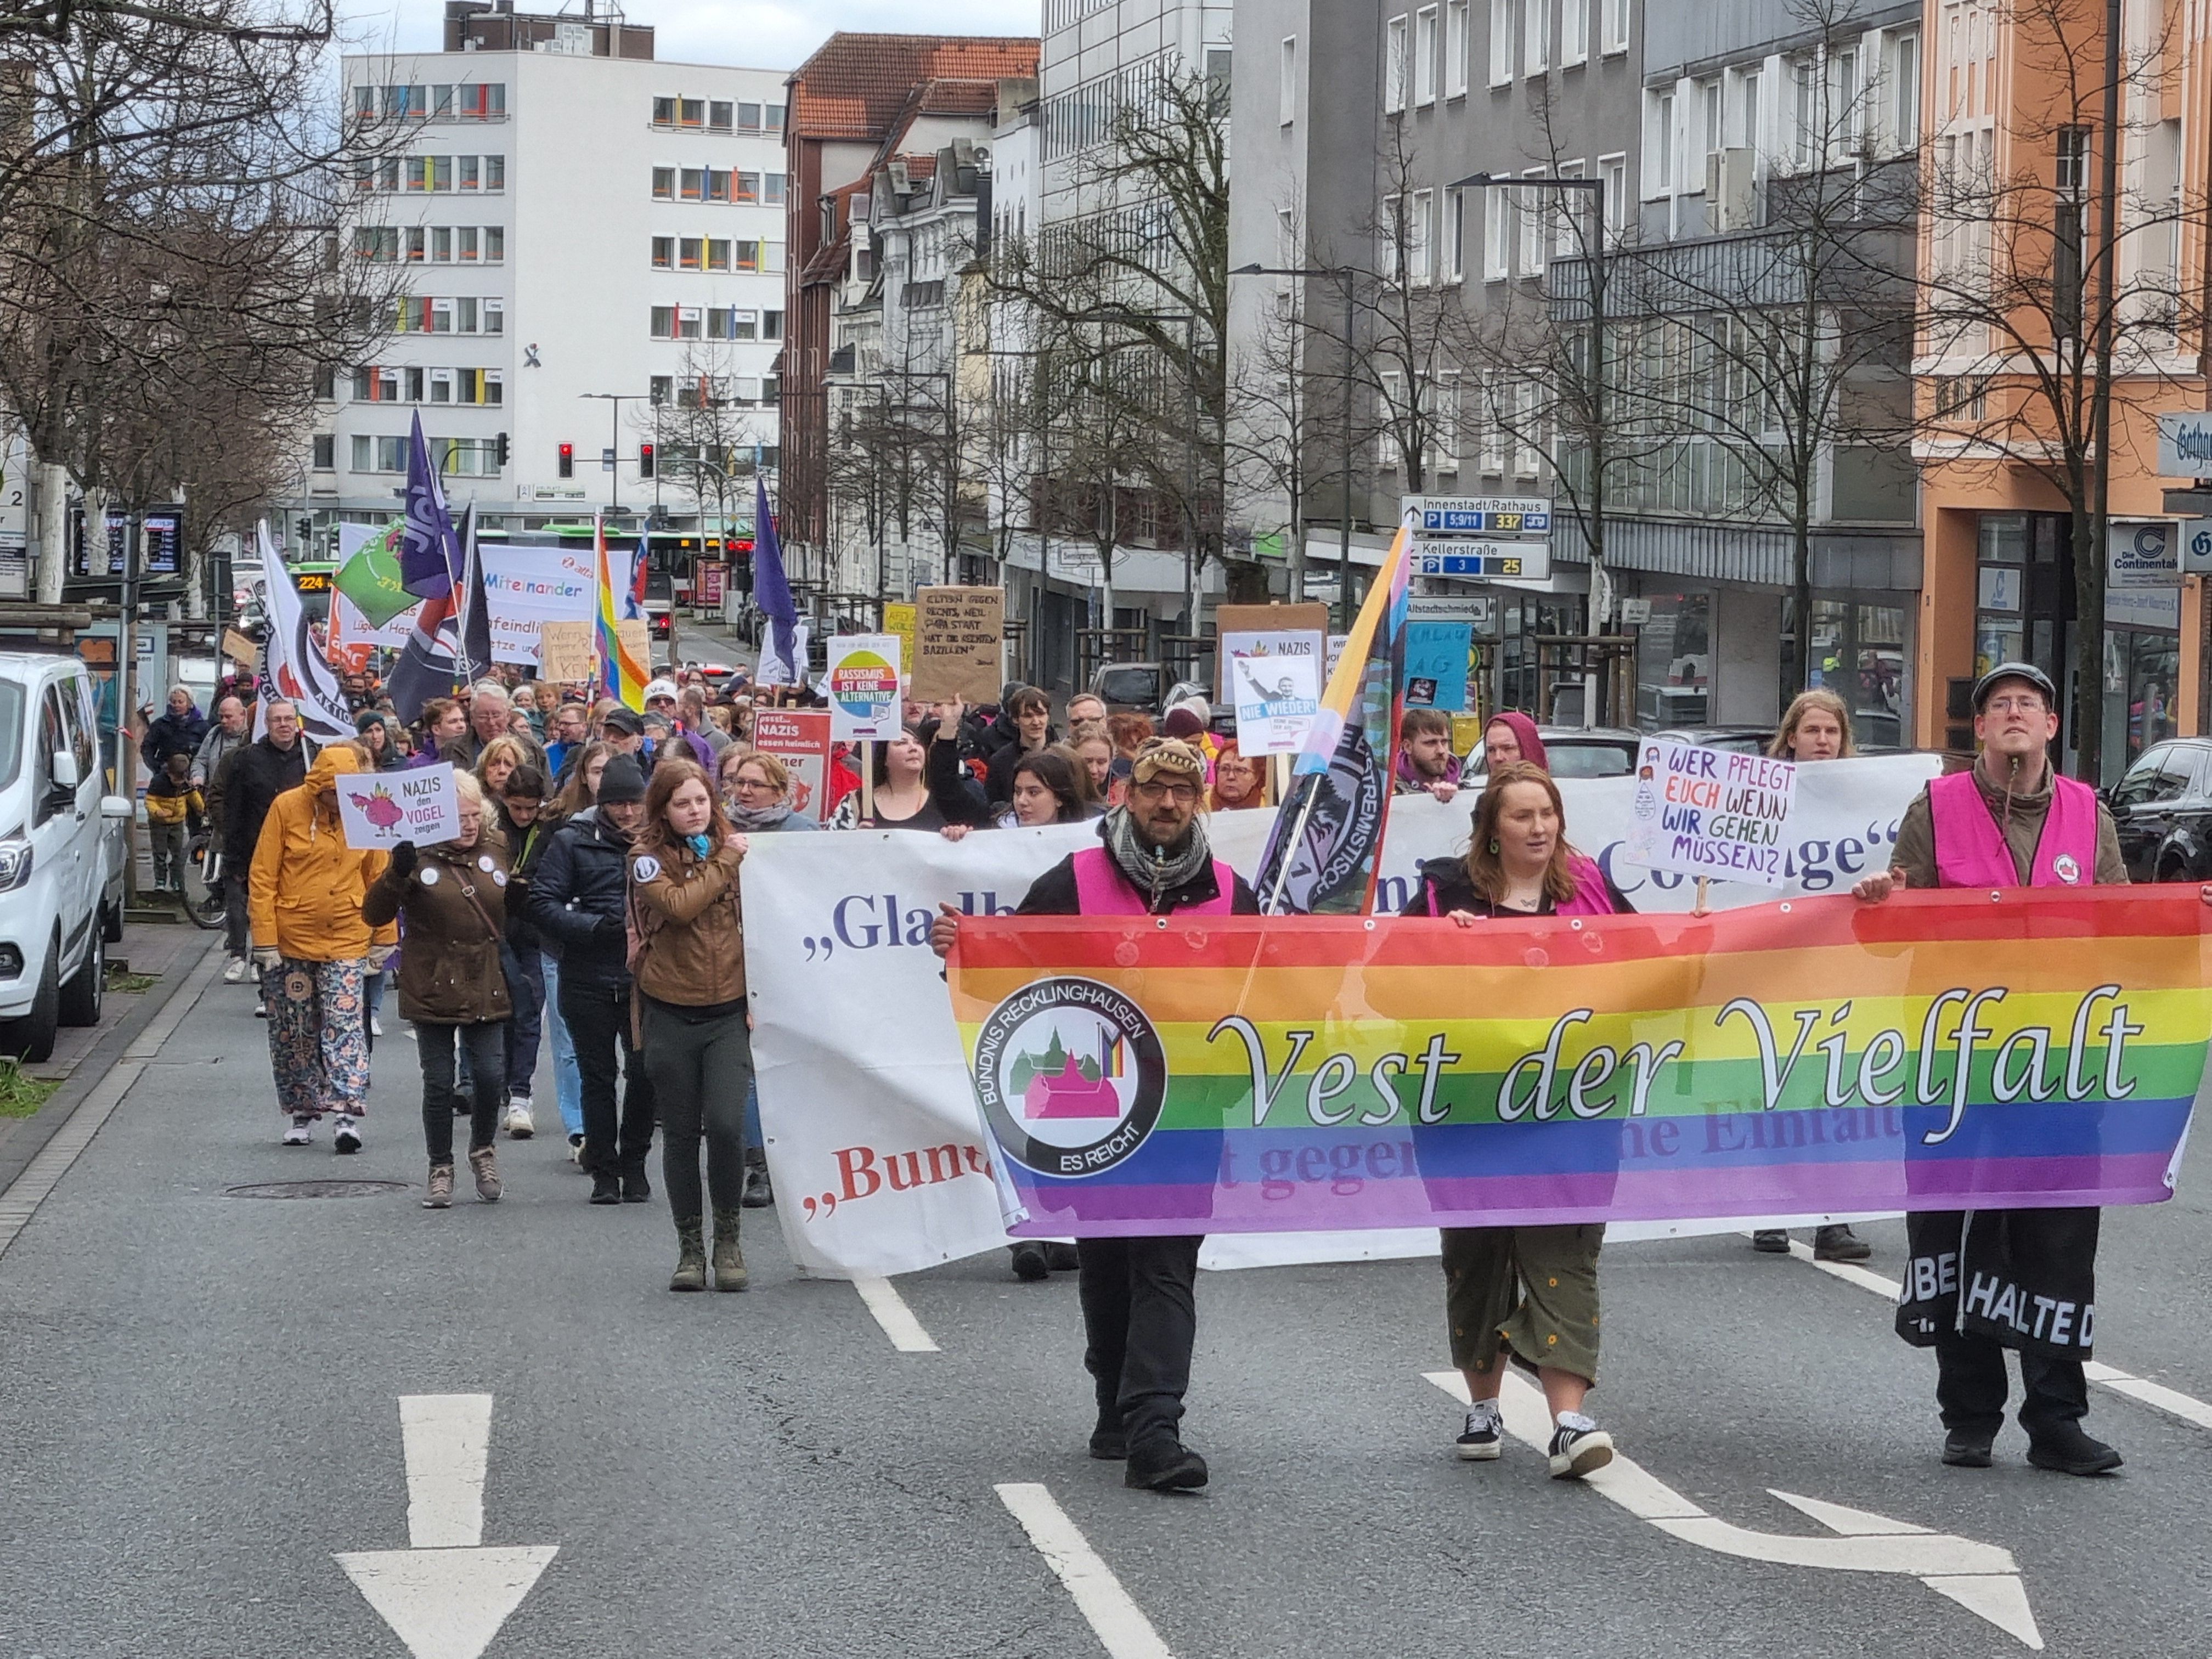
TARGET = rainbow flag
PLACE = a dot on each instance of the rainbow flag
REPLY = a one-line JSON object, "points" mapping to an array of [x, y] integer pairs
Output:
{"points": [[1943, 1051], [1326, 849], [622, 675]]}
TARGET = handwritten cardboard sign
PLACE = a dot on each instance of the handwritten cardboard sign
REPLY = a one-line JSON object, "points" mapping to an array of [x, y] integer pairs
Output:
{"points": [[239, 649], [960, 635], [899, 619], [567, 651], [382, 809], [1708, 812]]}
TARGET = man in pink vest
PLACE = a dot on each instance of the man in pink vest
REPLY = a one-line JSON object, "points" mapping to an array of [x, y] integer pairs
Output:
{"points": [[1981, 1281], [1139, 1306]]}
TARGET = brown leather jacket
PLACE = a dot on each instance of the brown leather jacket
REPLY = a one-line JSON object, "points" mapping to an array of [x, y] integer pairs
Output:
{"points": [[449, 967], [690, 935]]}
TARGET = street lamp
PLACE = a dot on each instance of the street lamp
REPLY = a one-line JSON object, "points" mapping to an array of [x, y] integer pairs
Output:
{"points": [[1600, 582], [614, 401], [1346, 275]]}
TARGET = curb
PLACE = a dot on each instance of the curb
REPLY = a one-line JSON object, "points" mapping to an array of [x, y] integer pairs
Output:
{"points": [[22, 1140]]}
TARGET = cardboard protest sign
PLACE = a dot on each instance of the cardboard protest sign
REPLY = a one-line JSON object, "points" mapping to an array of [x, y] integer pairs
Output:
{"points": [[864, 686], [1707, 812], [239, 649], [1436, 664], [382, 809], [800, 737], [960, 635], [899, 619], [565, 651]]}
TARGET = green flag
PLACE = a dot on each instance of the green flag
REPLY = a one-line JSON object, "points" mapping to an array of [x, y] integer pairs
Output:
{"points": [[371, 578]]}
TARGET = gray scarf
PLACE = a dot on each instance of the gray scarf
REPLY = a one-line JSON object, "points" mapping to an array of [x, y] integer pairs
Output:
{"points": [[1150, 869], [758, 820]]}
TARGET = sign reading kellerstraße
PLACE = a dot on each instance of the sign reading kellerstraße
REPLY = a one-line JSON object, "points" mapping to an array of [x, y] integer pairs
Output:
{"points": [[2184, 445]]}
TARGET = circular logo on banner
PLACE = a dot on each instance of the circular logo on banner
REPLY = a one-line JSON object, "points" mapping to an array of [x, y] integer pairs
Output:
{"points": [[646, 868], [1071, 1076], [2066, 869], [864, 685]]}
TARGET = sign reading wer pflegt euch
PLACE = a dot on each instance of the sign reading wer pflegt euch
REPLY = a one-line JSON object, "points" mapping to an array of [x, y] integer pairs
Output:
{"points": [[1944, 1050]]}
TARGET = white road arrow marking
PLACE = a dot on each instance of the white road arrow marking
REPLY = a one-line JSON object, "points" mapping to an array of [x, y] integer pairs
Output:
{"points": [[1980, 1578], [446, 1596]]}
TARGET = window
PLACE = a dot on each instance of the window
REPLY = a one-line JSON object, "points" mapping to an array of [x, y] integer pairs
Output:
{"points": [[2072, 174], [1389, 398], [664, 111], [1424, 55], [717, 116], [771, 325], [1491, 454], [692, 185], [376, 385], [1574, 32], [745, 325], [495, 172], [442, 245], [441, 314], [1417, 237], [1454, 236], [749, 117], [1748, 130], [1613, 36], [471, 173], [1501, 42], [1456, 47], [1660, 147], [1614, 169], [441, 102], [494, 316], [664, 253], [487, 102], [690, 111], [1444, 424], [717, 184], [1905, 92], [1497, 233], [465, 316], [1567, 206], [657, 389], [441, 385], [1397, 65], [471, 245], [1844, 117], [688, 253], [1536, 36], [1709, 116], [327, 451], [414, 377], [1535, 210], [495, 245], [773, 114], [415, 244], [1393, 232], [688, 319], [1218, 62], [664, 184], [663, 322], [1287, 89], [1528, 453], [378, 244], [718, 254], [1805, 117], [772, 189], [748, 186], [372, 454]]}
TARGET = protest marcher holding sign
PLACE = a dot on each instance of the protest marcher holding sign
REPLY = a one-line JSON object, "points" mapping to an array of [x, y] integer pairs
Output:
{"points": [[452, 985], [1976, 1277], [1527, 1291], [1709, 813], [919, 782], [1816, 727], [311, 944], [420, 805], [1139, 1308]]}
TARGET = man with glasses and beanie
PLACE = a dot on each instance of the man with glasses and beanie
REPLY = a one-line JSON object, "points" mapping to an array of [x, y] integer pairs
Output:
{"points": [[1140, 1308], [2011, 822]]}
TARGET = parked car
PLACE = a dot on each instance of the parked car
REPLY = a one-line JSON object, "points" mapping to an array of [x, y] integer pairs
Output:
{"points": [[1142, 688], [2162, 809], [1737, 739], [1599, 751], [62, 859]]}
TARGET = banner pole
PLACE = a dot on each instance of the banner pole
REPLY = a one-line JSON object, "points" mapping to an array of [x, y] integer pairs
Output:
{"points": [[867, 777]]}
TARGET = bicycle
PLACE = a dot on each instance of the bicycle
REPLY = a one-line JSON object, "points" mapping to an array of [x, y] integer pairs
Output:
{"points": [[204, 899]]}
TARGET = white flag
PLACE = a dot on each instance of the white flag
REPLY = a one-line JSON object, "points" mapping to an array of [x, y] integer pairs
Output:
{"points": [[292, 666]]}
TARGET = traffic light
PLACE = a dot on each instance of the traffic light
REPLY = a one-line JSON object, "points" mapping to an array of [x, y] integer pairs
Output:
{"points": [[645, 460], [502, 449], [567, 460]]}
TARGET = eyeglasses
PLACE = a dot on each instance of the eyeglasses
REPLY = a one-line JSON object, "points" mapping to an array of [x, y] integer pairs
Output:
{"points": [[742, 783], [2028, 705], [1182, 793]]}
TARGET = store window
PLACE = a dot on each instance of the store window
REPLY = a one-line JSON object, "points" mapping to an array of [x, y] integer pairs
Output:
{"points": [[1675, 662], [2147, 668], [1859, 652]]}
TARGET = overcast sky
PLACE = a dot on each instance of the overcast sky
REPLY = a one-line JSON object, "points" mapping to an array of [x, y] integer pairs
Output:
{"points": [[755, 33]]}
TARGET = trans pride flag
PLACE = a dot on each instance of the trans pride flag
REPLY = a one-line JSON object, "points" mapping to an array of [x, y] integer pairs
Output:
{"points": [[2020, 1049], [622, 675]]}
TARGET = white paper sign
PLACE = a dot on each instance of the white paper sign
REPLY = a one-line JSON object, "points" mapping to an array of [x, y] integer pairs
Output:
{"points": [[1708, 812], [1275, 686], [382, 809], [526, 586]]}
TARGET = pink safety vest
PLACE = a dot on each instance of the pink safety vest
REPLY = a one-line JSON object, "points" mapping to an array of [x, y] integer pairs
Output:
{"points": [[1101, 890], [1589, 897], [1970, 849]]}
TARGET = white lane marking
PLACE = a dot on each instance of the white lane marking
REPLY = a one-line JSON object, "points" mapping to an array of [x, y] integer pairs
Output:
{"points": [[1118, 1622], [898, 1319], [44, 1172], [1981, 1577], [446, 1596], [448, 1437], [2156, 1396]]}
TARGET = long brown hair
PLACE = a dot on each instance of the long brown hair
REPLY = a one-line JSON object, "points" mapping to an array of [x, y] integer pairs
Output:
{"points": [[1485, 871], [1802, 704], [671, 773], [576, 794]]}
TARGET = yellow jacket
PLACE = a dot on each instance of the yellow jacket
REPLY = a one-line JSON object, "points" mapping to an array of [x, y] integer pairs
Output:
{"points": [[306, 886]]}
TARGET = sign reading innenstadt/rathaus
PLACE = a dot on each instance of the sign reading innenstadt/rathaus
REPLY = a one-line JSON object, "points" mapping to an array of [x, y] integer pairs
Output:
{"points": [[1480, 536], [1442, 516]]}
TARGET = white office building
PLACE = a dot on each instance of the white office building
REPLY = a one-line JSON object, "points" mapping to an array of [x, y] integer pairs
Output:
{"points": [[588, 243]]}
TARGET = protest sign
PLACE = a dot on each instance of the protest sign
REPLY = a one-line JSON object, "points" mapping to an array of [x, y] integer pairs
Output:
{"points": [[1709, 812], [239, 649], [864, 687], [899, 619], [959, 643], [566, 652], [1436, 654], [525, 587], [843, 921], [1137, 1079], [382, 809], [1274, 684], [800, 737]]}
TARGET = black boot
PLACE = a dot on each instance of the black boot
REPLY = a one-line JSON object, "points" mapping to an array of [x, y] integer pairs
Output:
{"points": [[1774, 1240], [635, 1188], [606, 1188], [1108, 1444], [1029, 1261], [1061, 1258], [1164, 1464], [1966, 1448], [1839, 1243], [2068, 1448], [758, 1194]]}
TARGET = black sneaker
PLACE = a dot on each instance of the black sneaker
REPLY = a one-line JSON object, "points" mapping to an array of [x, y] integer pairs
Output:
{"points": [[1164, 1465], [1061, 1258], [758, 1194], [1839, 1243], [605, 1190], [1579, 1449], [1772, 1240], [2069, 1450], [1966, 1448], [1480, 1441], [1107, 1443], [1028, 1263], [635, 1188]]}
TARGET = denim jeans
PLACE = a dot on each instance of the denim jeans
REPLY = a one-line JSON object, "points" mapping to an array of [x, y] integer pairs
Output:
{"points": [[568, 1088], [523, 1030]]}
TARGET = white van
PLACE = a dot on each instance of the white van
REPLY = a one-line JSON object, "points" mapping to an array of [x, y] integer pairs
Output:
{"points": [[63, 841]]}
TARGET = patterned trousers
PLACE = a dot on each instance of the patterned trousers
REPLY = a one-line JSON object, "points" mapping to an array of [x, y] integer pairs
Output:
{"points": [[318, 1038]]}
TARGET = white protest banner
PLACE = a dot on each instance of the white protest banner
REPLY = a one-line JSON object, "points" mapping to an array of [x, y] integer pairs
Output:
{"points": [[382, 809], [1275, 686], [1709, 812], [864, 687], [871, 1121], [528, 586]]}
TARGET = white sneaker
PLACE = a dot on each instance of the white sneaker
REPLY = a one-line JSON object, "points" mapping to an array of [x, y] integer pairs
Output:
{"points": [[299, 1132], [345, 1134], [375, 1026], [518, 1125], [576, 1151], [235, 971]]}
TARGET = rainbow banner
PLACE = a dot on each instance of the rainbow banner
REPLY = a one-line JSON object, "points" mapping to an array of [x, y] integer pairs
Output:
{"points": [[622, 675], [1945, 1050]]}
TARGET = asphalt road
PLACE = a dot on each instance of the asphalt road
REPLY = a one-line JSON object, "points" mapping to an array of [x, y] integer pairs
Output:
{"points": [[200, 1398]]}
